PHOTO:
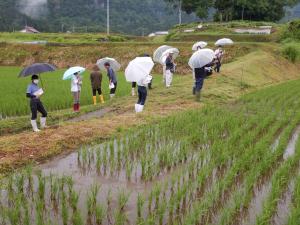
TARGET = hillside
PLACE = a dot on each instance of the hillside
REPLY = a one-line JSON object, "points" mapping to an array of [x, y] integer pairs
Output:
{"points": [[130, 17]]}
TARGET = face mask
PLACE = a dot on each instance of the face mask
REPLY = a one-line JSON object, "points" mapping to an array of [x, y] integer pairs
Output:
{"points": [[36, 81]]}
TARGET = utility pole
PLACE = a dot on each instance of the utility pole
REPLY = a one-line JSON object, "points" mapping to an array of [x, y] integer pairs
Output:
{"points": [[180, 11], [107, 19]]}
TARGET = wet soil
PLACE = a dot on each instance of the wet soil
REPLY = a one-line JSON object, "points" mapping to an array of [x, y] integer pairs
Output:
{"points": [[92, 115]]}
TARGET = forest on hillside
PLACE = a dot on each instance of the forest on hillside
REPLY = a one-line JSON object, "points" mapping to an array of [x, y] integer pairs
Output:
{"points": [[130, 16]]}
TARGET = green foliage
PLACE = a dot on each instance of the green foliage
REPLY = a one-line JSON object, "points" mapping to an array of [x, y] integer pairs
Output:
{"points": [[291, 52], [133, 16], [292, 31], [227, 10]]}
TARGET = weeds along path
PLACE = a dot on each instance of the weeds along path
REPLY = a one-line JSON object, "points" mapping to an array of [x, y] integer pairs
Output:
{"points": [[198, 166], [236, 79]]}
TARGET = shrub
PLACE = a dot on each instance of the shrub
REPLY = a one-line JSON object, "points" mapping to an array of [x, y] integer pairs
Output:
{"points": [[291, 52]]}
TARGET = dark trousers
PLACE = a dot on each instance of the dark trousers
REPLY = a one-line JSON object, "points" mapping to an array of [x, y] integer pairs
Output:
{"points": [[198, 85], [97, 90], [37, 106], [142, 92], [218, 66], [133, 85], [113, 90]]}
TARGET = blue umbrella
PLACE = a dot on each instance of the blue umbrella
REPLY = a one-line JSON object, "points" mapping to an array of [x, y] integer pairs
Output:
{"points": [[37, 68], [70, 72]]}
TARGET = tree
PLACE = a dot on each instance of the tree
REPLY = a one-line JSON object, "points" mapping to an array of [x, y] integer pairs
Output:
{"points": [[200, 7], [226, 10]]}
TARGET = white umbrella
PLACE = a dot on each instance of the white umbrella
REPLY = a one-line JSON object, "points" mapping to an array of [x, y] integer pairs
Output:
{"points": [[201, 58], [113, 63], [159, 51], [224, 41], [71, 71], [165, 54], [138, 69], [201, 44]]}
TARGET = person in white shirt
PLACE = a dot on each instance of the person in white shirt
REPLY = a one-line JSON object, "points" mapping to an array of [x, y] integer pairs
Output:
{"points": [[219, 53], [76, 84]]}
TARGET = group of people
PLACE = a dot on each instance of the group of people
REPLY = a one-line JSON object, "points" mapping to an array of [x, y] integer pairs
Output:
{"points": [[96, 84]]}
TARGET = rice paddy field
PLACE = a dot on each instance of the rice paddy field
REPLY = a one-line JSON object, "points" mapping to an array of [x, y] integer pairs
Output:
{"points": [[235, 164], [57, 92]]}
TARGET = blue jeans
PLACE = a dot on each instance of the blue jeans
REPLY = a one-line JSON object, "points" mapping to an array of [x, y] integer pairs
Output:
{"points": [[142, 92], [198, 85]]}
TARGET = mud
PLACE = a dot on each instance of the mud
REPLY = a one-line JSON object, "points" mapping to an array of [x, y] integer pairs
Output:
{"points": [[290, 149], [92, 115], [255, 208]]}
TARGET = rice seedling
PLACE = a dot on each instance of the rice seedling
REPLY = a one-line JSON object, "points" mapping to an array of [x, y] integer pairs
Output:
{"points": [[76, 218], [99, 214], [64, 208]]}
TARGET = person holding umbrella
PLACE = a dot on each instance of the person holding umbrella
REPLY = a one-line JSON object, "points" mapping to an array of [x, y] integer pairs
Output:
{"points": [[96, 81], [113, 82], [73, 74], [76, 83], [170, 69], [198, 62], [139, 71], [34, 93], [219, 53]]}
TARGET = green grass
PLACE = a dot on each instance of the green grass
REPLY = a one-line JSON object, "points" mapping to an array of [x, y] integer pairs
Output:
{"points": [[64, 38], [57, 92]]}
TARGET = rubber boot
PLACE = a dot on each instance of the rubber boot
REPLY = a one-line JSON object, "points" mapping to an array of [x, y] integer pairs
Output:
{"points": [[43, 122], [95, 100], [198, 96], [194, 90], [112, 95], [141, 108], [74, 107], [78, 107], [101, 99], [133, 91], [34, 126], [136, 106]]}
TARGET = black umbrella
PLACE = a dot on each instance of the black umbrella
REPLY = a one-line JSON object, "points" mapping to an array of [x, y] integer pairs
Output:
{"points": [[37, 68]]}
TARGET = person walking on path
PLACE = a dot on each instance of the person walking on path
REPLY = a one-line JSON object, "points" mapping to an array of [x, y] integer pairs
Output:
{"points": [[34, 93], [142, 93], [76, 84], [200, 74], [170, 69], [219, 53], [112, 79], [96, 82]]}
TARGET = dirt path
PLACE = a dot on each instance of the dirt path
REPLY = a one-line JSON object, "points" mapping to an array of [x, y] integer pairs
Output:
{"points": [[92, 115], [15, 150]]}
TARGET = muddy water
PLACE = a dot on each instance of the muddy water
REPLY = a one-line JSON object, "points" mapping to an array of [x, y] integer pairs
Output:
{"points": [[290, 150], [283, 206], [256, 205], [83, 180]]}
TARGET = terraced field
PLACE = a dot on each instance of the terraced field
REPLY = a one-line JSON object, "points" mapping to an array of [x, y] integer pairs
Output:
{"points": [[235, 164]]}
